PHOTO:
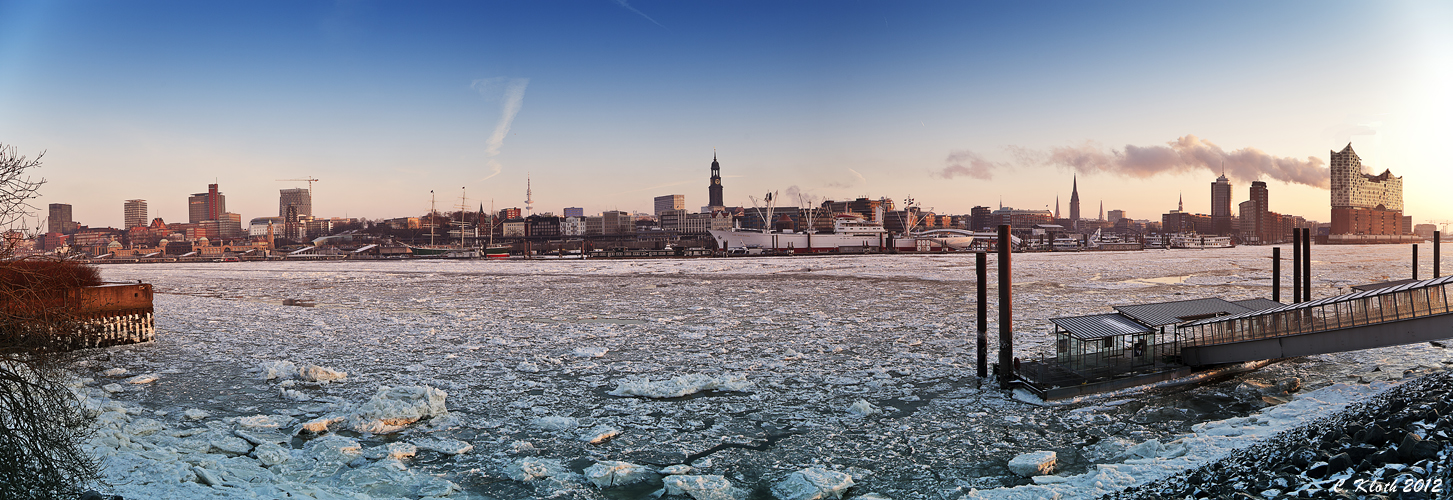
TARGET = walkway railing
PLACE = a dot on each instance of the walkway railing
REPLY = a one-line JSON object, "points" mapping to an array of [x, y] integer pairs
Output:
{"points": [[1419, 299]]}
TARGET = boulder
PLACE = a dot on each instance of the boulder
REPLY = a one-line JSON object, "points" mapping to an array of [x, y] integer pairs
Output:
{"points": [[1036, 463]]}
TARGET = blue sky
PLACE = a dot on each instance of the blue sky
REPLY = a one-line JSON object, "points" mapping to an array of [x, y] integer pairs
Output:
{"points": [[605, 105]]}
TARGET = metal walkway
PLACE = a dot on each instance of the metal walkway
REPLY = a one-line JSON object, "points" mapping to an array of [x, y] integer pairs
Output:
{"points": [[1404, 314]]}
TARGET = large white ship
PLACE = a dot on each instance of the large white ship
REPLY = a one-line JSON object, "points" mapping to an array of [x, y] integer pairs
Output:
{"points": [[1199, 241], [851, 233]]}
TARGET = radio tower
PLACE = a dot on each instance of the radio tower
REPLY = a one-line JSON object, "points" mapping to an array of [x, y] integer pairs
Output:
{"points": [[529, 198]]}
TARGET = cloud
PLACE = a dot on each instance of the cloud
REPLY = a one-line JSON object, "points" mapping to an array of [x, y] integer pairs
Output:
{"points": [[623, 3], [1185, 154], [857, 179], [512, 96], [966, 163]]}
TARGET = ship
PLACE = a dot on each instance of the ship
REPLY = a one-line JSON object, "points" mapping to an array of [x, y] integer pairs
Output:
{"points": [[851, 233], [1200, 241]]}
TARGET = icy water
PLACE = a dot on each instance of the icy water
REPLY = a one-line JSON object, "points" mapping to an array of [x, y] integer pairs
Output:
{"points": [[860, 364]]}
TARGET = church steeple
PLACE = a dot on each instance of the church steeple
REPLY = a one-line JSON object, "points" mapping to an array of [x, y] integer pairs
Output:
{"points": [[1075, 201], [1181, 202], [713, 191]]}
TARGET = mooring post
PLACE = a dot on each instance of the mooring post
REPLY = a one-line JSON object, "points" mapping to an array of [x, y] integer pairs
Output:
{"points": [[1306, 264], [1437, 254], [1415, 261], [1276, 274], [1006, 312], [1296, 266], [981, 261]]}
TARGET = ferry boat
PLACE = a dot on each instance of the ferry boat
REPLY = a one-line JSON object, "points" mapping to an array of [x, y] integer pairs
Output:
{"points": [[850, 231], [1199, 241]]}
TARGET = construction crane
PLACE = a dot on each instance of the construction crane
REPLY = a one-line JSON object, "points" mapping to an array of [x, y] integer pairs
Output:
{"points": [[1442, 223], [310, 180]]}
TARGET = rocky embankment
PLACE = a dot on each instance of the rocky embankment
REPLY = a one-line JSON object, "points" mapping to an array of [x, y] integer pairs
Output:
{"points": [[1397, 445]]}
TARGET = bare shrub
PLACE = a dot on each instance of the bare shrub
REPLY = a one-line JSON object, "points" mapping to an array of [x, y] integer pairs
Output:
{"points": [[42, 423]]}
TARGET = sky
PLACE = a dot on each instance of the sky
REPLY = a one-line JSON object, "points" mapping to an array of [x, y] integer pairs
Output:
{"points": [[605, 104]]}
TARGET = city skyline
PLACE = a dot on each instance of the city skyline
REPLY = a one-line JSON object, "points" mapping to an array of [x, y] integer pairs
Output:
{"points": [[607, 105]]}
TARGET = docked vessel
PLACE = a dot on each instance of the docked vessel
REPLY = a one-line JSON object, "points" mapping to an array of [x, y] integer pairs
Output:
{"points": [[851, 233], [1199, 241]]}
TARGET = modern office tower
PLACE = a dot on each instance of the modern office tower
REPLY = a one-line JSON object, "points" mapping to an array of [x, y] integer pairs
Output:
{"points": [[1260, 207], [980, 218], [714, 190], [670, 202], [1363, 204], [1221, 205], [297, 197], [135, 213], [206, 206], [59, 220]]}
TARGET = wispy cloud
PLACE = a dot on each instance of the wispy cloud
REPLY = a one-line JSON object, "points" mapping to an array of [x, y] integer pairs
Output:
{"points": [[623, 3], [512, 97]]}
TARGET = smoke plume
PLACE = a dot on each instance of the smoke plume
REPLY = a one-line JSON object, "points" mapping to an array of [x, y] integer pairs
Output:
{"points": [[1185, 154], [966, 163]]}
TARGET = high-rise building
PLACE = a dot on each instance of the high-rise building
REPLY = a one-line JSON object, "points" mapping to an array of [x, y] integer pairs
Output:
{"points": [[980, 218], [1363, 204], [1075, 200], [1221, 205], [670, 202], [714, 190], [1261, 224], [135, 213], [59, 220], [206, 206], [1116, 215], [298, 197]]}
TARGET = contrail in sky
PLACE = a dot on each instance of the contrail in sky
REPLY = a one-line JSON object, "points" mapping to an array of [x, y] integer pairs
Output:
{"points": [[513, 98], [633, 9]]}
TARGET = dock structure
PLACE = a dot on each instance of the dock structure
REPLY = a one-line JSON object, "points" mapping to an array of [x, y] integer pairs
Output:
{"points": [[1396, 313], [93, 316], [1135, 345], [1143, 344]]}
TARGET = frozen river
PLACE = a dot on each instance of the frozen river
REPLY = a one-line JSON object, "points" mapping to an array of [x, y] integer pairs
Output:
{"points": [[857, 364]]}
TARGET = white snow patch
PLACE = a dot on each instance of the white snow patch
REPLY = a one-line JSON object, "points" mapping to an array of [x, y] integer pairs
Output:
{"points": [[677, 469], [863, 408], [393, 408], [444, 445], [556, 423], [813, 484], [1035, 463], [680, 385], [612, 473], [143, 379], [590, 352], [315, 373], [195, 414], [703, 487], [531, 468], [277, 369], [600, 434]]}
